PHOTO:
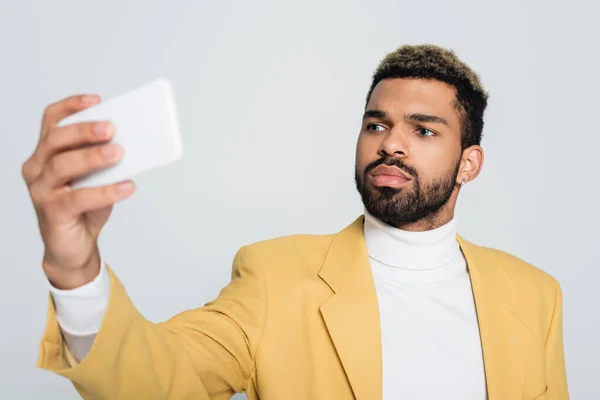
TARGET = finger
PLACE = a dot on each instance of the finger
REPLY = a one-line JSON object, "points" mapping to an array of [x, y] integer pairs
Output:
{"points": [[74, 136], [62, 139], [38, 194], [67, 166], [65, 107], [76, 202], [30, 170]]}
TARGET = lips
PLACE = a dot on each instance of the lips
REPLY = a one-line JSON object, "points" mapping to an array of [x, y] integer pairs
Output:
{"points": [[390, 171], [386, 176]]}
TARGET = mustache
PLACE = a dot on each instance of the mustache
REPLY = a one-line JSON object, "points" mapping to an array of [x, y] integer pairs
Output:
{"points": [[392, 162]]}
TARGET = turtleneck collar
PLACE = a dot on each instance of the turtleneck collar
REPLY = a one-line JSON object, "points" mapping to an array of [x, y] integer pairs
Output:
{"points": [[410, 250]]}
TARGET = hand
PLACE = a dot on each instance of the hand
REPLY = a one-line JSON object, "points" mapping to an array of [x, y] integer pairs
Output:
{"points": [[70, 220]]}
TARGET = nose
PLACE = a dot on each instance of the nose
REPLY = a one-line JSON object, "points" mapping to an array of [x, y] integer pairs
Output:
{"points": [[394, 144]]}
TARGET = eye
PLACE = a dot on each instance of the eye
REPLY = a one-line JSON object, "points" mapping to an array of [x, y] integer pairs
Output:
{"points": [[424, 132], [375, 127]]}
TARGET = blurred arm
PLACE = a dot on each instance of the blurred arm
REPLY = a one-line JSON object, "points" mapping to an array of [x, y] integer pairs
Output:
{"points": [[204, 353]]}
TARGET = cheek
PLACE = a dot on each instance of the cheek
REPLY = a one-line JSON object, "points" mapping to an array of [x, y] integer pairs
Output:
{"points": [[432, 162], [366, 151]]}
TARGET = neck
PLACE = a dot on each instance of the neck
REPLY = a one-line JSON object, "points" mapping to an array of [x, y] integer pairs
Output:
{"points": [[423, 249]]}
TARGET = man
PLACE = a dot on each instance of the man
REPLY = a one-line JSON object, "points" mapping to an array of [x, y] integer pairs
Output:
{"points": [[395, 306]]}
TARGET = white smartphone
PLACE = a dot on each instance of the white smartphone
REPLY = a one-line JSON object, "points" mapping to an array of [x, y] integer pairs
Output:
{"points": [[146, 127]]}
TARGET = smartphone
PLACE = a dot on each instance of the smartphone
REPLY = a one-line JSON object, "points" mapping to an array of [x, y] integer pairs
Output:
{"points": [[146, 127]]}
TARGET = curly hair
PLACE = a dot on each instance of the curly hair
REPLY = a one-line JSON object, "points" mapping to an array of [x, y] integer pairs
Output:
{"points": [[429, 61]]}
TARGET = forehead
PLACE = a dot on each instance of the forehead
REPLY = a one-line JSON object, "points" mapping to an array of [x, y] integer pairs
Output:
{"points": [[402, 96]]}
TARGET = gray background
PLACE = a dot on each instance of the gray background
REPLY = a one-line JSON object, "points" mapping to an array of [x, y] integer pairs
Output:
{"points": [[270, 97]]}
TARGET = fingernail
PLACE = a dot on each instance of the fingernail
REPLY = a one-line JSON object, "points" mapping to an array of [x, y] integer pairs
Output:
{"points": [[110, 151], [125, 188], [103, 128], [100, 128], [89, 99]]}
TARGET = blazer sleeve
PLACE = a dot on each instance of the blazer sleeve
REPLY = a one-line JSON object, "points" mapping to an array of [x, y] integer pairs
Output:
{"points": [[555, 357], [204, 353]]}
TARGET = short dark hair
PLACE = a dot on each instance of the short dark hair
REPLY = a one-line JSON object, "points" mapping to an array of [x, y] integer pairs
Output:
{"points": [[429, 61]]}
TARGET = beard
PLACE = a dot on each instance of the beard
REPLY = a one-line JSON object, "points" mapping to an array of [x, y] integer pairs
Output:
{"points": [[410, 204]]}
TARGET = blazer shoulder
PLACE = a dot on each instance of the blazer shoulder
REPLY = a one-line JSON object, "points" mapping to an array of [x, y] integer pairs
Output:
{"points": [[528, 277], [304, 251], [516, 266], [301, 242]]}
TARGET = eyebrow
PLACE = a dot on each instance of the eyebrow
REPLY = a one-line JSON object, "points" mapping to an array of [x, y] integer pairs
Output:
{"points": [[426, 118], [415, 117], [375, 114]]}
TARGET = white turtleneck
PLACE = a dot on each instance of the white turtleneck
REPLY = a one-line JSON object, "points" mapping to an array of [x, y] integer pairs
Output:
{"points": [[430, 335]]}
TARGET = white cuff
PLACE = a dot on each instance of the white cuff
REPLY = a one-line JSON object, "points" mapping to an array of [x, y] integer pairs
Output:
{"points": [[80, 311]]}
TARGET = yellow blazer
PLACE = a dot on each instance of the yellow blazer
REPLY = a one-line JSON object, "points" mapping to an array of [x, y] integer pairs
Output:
{"points": [[300, 320]]}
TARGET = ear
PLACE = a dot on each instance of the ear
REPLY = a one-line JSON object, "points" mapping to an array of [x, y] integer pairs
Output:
{"points": [[470, 164]]}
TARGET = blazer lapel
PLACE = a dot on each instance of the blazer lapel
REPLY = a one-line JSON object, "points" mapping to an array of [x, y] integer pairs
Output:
{"points": [[505, 339], [352, 313]]}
